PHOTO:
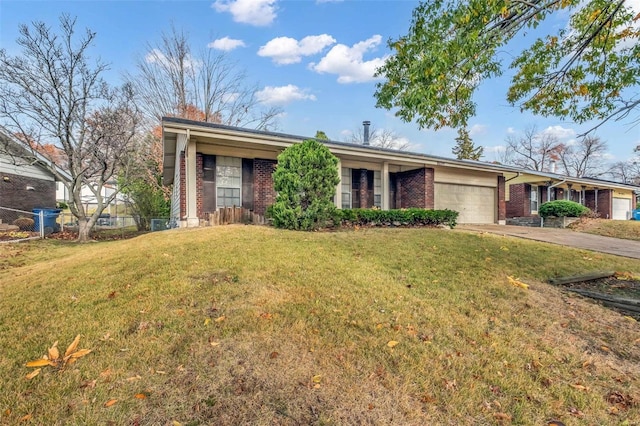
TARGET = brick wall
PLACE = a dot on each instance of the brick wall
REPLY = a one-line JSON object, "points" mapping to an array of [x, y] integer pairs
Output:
{"points": [[605, 203], [364, 189], [14, 193], [590, 199], [502, 205], [183, 187], [263, 193], [518, 204], [415, 189], [199, 186]]}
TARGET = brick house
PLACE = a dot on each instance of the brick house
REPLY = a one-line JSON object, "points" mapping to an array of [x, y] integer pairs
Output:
{"points": [[526, 190], [211, 166], [24, 184]]}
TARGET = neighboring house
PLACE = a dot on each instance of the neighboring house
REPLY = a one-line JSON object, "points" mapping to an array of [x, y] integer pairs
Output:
{"points": [[212, 166], [528, 189], [24, 185], [88, 197]]}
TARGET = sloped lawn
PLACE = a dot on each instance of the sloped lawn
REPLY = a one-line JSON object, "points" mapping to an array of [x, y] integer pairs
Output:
{"points": [[251, 325], [625, 229]]}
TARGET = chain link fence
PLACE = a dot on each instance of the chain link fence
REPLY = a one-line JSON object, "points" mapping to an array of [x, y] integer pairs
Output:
{"points": [[20, 225]]}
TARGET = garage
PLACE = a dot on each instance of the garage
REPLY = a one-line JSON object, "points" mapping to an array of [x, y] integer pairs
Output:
{"points": [[476, 204], [621, 208]]}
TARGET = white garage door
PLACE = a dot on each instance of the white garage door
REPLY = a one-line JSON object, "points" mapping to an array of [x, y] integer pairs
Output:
{"points": [[621, 208], [476, 204]]}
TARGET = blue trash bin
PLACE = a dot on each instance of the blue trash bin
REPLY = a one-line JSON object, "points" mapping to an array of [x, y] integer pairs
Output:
{"points": [[636, 214], [50, 217]]}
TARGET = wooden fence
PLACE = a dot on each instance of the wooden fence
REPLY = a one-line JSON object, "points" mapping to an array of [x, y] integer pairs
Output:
{"points": [[229, 215]]}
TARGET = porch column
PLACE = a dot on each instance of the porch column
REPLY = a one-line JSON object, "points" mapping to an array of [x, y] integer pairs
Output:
{"points": [[596, 200], [192, 199], [583, 195], [567, 196], [338, 198], [385, 186]]}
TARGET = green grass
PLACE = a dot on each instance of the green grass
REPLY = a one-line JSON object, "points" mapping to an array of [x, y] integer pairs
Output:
{"points": [[625, 229], [252, 325]]}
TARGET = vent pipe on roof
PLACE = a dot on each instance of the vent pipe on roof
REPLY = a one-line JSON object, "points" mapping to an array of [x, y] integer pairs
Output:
{"points": [[366, 125]]}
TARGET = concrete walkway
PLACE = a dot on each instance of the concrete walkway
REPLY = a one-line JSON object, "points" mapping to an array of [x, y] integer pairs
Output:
{"points": [[564, 237]]}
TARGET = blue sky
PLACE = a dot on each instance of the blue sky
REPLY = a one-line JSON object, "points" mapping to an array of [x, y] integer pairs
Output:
{"points": [[314, 59]]}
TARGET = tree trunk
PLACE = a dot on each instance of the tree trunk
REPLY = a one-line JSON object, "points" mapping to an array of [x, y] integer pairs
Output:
{"points": [[84, 230]]}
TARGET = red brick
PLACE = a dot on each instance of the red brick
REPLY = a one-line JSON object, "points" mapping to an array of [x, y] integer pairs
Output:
{"points": [[415, 189], [263, 193]]}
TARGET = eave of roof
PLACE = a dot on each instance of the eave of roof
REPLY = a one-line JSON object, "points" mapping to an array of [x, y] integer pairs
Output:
{"points": [[180, 125], [42, 161]]}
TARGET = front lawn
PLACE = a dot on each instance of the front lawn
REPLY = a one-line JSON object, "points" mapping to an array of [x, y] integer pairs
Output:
{"points": [[253, 325], [625, 229]]}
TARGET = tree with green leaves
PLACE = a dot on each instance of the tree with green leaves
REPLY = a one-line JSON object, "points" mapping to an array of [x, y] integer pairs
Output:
{"points": [[465, 149], [586, 70], [322, 136], [305, 180]]}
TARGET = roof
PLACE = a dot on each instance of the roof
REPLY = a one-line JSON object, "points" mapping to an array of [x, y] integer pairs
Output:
{"points": [[41, 160], [181, 125]]}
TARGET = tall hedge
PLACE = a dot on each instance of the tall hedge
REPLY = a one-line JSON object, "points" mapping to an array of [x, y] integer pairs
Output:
{"points": [[305, 180]]}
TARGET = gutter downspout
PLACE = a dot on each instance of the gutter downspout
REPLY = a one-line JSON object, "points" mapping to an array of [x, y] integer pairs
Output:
{"points": [[511, 178]]}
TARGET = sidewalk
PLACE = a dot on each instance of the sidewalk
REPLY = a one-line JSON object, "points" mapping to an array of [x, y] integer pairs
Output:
{"points": [[564, 237]]}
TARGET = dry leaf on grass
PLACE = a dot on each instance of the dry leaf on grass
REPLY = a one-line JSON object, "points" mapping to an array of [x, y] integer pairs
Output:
{"points": [[392, 343], [516, 283], [33, 374], [110, 402], [140, 396]]}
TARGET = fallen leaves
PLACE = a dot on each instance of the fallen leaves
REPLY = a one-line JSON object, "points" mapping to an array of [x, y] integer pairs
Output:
{"points": [[53, 358], [515, 282], [33, 374], [392, 343], [110, 403]]}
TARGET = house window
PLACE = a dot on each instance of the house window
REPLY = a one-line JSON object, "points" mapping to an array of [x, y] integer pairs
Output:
{"points": [[534, 198], [346, 188], [377, 189], [228, 181]]}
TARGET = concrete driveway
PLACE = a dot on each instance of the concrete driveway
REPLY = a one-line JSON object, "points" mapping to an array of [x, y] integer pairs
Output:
{"points": [[564, 237]]}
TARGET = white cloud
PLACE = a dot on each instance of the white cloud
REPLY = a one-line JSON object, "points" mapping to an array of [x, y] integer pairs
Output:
{"points": [[346, 132], [558, 132], [478, 129], [283, 95], [511, 131], [287, 50], [329, 1], [227, 44], [253, 12], [347, 62]]}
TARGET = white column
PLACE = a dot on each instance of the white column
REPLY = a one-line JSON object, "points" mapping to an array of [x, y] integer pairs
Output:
{"points": [[338, 199], [385, 186], [192, 205]]}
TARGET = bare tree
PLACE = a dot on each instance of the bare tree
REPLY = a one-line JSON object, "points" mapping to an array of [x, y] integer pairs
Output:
{"points": [[51, 95], [532, 150], [381, 138], [172, 80], [584, 158]]}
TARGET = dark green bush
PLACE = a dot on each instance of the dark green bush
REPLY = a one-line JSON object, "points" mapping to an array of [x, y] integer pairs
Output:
{"points": [[405, 217], [562, 208], [305, 180]]}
